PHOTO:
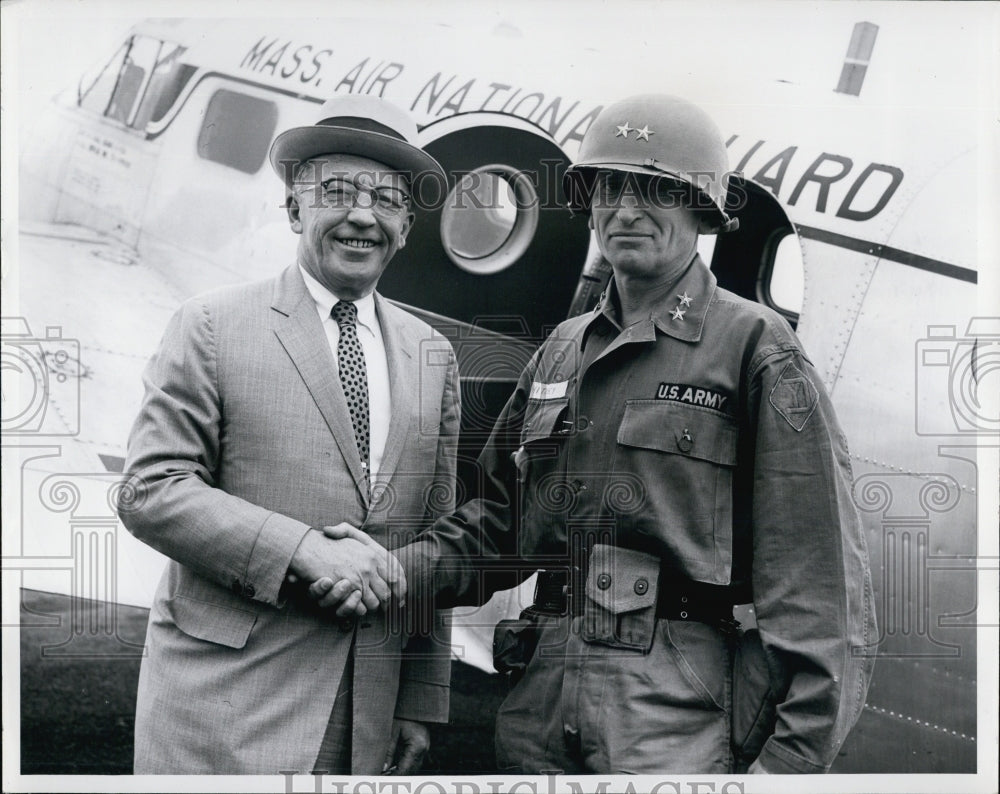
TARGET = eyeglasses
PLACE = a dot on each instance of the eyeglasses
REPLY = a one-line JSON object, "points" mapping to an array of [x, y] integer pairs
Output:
{"points": [[340, 194]]}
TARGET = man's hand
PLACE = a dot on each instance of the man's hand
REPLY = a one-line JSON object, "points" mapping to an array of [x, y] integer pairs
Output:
{"points": [[343, 595], [355, 576], [343, 531], [407, 747], [325, 591]]}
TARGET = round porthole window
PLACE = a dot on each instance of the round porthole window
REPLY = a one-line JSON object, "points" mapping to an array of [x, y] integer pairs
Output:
{"points": [[489, 219]]}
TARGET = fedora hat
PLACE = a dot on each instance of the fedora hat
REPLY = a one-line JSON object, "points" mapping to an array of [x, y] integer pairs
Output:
{"points": [[361, 125]]}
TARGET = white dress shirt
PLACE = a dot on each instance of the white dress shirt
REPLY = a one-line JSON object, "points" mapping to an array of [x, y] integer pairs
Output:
{"points": [[376, 363]]}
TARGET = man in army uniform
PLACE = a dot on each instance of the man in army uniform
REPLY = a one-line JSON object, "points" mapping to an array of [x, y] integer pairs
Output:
{"points": [[662, 459]]}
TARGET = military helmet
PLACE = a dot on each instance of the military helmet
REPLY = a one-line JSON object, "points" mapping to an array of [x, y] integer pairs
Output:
{"points": [[656, 135]]}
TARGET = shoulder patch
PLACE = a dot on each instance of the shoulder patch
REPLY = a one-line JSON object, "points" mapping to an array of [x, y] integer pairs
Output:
{"points": [[794, 396]]}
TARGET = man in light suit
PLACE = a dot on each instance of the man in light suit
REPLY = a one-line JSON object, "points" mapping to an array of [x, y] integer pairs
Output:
{"points": [[272, 410]]}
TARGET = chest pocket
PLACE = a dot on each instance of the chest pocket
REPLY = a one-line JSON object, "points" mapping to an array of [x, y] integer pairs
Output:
{"points": [[544, 419], [541, 440], [685, 458], [679, 429]]}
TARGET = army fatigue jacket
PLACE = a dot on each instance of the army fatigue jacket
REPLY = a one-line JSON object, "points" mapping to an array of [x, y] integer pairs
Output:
{"points": [[704, 435]]}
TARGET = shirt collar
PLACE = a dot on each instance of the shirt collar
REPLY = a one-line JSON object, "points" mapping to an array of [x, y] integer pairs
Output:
{"points": [[325, 301], [681, 317]]}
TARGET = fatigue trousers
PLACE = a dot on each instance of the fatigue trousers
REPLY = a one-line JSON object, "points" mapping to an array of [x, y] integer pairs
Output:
{"points": [[583, 707]]}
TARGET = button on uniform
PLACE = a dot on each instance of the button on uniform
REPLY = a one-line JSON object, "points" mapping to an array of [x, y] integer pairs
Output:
{"points": [[685, 442]]}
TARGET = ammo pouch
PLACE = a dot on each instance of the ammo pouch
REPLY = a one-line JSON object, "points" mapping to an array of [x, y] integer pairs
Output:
{"points": [[514, 643], [754, 701], [620, 607]]}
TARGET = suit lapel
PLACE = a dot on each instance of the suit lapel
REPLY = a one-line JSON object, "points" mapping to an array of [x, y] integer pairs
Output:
{"points": [[300, 332], [404, 380]]}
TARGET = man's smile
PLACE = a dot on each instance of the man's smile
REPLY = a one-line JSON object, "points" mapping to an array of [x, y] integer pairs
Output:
{"points": [[355, 242]]}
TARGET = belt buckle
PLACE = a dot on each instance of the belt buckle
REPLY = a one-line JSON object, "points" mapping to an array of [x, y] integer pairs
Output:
{"points": [[553, 593]]}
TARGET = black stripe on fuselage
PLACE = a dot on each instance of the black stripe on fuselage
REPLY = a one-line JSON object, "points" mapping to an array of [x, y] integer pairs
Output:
{"points": [[888, 252]]}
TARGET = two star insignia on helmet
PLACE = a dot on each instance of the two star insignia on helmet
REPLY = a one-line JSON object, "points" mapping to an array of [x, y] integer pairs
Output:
{"points": [[641, 134]]}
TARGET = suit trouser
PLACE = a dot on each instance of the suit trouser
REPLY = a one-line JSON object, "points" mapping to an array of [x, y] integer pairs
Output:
{"points": [[583, 707], [334, 757]]}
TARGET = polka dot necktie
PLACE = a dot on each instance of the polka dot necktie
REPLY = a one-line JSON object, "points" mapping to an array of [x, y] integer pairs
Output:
{"points": [[354, 376]]}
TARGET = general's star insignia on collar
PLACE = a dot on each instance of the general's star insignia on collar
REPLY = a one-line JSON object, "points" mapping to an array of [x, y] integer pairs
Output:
{"points": [[677, 314], [623, 130], [644, 133], [685, 299]]}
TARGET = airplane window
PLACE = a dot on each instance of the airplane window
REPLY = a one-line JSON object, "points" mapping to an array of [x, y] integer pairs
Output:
{"points": [[237, 130], [784, 287], [97, 86], [133, 77], [168, 78], [131, 85], [489, 219]]}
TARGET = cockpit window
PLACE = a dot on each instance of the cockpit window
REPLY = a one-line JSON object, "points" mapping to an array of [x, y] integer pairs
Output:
{"points": [[97, 86], [169, 76], [138, 84]]}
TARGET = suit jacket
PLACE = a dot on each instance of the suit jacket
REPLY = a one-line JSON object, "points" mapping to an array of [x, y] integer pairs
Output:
{"points": [[243, 442]]}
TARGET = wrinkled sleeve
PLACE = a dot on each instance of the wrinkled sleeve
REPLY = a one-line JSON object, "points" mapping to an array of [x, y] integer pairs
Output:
{"points": [[425, 674], [810, 572], [171, 500]]}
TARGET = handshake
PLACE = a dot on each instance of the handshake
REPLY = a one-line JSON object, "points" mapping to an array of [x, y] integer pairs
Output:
{"points": [[347, 571]]}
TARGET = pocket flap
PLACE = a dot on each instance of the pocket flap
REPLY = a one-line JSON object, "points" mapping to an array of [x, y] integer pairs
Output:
{"points": [[216, 623], [542, 418], [622, 580], [680, 430]]}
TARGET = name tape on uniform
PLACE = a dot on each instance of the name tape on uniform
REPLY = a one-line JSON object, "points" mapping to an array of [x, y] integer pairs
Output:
{"points": [[548, 391], [692, 395]]}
